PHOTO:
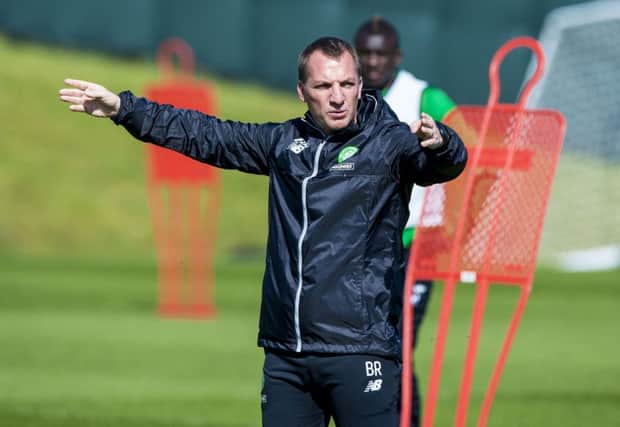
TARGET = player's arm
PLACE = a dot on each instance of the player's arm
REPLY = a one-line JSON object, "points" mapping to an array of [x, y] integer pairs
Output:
{"points": [[205, 138]]}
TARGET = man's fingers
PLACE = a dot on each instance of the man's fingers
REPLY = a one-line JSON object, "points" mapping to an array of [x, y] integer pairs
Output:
{"points": [[427, 129], [71, 92], [426, 118], [415, 126], [424, 128], [72, 99], [430, 143], [78, 108], [94, 92], [80, 84]]}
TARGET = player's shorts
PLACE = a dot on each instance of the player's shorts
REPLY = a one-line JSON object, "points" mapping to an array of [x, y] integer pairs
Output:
{"points": [[306, 390]]}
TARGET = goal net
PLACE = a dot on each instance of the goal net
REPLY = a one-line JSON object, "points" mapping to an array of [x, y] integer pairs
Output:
{"points": [[582, 80]]}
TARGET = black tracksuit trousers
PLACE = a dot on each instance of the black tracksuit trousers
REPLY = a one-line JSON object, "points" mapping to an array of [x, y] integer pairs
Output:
{"points": [[307, 390]]}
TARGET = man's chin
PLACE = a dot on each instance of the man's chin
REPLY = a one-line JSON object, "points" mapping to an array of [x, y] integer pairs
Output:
{"points": [[336, 125]]}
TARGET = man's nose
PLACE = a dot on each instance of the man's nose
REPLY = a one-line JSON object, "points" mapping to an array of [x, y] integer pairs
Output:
{"points": [[373, 59], [336, 95]]}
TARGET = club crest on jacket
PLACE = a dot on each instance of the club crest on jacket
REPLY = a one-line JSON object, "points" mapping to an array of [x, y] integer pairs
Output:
{"points": [[346, 153]]}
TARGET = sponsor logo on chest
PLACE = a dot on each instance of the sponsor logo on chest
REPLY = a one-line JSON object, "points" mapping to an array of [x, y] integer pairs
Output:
{"points": [[348, 166], [345, 154]]}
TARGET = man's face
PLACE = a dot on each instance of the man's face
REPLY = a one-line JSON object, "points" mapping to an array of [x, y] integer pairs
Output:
{"points": [[331, 90], [379, 58]]}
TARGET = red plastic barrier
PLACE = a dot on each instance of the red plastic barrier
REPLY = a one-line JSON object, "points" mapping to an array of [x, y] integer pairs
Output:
{"points": [[184, 196], [485, 226]]}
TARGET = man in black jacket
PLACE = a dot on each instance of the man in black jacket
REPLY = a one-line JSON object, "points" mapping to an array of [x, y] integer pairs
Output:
{"points": [[340, 181]]}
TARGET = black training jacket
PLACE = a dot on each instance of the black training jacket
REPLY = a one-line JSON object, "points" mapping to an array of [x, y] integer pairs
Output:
{"points": [[337, 208]]}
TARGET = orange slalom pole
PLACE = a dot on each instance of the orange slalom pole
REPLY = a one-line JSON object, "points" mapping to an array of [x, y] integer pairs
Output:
{"points": [[408, 315], [440, 346], [482, 292], [501, 361]]}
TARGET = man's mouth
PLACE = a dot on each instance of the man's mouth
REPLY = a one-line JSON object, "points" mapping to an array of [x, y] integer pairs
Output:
{"points": [[373, 75], [337, 114]]}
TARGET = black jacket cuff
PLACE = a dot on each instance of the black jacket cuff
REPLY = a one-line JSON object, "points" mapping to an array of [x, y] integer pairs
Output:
{"points": [[127, 105]]}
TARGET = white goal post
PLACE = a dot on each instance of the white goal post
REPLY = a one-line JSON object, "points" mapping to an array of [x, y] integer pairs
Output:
{"points": [[582, 80]]}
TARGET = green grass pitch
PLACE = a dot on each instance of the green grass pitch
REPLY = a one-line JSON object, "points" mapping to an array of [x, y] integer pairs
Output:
{"points": [[81, 345]]}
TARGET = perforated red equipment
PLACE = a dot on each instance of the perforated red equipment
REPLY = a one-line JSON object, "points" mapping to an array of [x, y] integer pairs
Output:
{"points": [[184, 196], [485, 226]]}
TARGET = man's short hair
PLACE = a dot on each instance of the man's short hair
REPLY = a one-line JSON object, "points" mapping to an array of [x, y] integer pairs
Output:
{"points": [[377, 25], [332, 47]]}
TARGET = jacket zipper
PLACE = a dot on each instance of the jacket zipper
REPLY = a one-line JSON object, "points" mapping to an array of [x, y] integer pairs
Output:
{"points": [[304, 186]]}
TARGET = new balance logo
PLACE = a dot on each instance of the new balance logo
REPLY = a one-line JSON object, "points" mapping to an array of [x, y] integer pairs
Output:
{"points": [[298, 145], [373, 385]]}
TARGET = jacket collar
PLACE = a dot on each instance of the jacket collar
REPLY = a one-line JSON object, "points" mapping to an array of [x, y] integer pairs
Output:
{"points": [[366, 115]]}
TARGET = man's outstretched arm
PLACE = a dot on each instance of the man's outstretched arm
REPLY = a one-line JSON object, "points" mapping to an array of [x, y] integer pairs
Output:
{"points": [[225, 144]]}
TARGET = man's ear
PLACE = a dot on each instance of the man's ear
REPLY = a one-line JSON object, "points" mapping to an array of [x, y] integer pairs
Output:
{"points": [[300, 91]]}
